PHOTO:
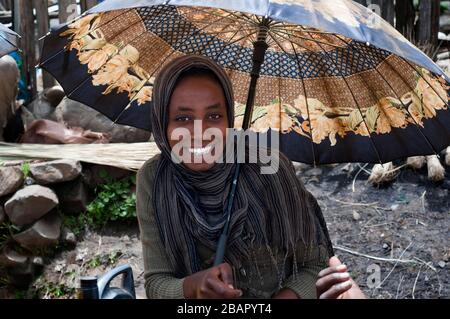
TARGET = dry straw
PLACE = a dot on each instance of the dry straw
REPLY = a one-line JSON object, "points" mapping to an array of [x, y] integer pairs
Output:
{"points": [[129, 156]]}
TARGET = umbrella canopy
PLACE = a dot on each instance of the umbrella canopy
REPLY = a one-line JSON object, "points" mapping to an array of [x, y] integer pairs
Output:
{"points": [[8, 40], [339, 83]]}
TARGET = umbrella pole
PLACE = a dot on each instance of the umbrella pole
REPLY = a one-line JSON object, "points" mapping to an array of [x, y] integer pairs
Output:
{"points": [[260, 48]]}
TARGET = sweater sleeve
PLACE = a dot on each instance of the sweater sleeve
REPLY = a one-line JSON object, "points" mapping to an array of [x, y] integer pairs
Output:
{"points": [[159, 275], [303, 282]]}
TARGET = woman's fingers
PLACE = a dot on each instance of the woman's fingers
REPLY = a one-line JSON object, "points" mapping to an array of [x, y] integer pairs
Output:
{"points": [[334, 261], [336, 290], [327, 282], [334, 269], [226, 273], [222, 290]]}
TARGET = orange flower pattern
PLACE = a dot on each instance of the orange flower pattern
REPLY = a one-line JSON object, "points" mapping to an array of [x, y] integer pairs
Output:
{"points": [[113, 66]]}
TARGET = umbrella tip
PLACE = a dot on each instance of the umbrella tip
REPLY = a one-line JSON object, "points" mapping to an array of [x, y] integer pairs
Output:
{"points": [[43, 37]]}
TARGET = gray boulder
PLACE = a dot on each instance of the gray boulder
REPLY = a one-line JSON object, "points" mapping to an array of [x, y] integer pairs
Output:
{"points": [[77, 114], [43, 233], [29, 204], [11, 179], [55, 171]]}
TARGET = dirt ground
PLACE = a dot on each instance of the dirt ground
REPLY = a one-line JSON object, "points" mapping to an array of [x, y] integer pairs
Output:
{"points": [[394, 239]]}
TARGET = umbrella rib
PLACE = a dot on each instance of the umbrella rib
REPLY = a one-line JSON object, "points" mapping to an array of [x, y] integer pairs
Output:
{"points": [[142, 86], [357, 105], [395, 93], [89, 33], [296, 61], [236, 17], [278, 31], [413, 67], [158, 20], [296, 28], [106, 62], [12, 44]]}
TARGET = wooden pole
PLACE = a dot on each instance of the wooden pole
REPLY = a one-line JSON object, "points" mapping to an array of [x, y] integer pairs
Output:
{"points": [[387, 9], [405, 16], [67, 10], [41, 7], [24, 25], [87, 4], [429, 13]]}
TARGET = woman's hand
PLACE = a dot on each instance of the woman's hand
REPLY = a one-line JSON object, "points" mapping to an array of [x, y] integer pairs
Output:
{"points": [[215, 282], [335, 282]]}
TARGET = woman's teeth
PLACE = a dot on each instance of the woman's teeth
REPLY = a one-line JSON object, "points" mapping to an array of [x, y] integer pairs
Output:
{"points": [[201, 151]]}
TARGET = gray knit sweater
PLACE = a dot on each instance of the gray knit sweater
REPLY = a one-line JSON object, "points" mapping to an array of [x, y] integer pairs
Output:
{"points": [[259, 277]]}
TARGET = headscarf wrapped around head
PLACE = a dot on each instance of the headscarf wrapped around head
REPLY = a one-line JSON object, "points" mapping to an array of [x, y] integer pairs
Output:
{"points": [[274, 211]]}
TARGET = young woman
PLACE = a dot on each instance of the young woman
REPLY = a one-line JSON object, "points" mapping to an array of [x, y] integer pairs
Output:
{"points": [[278, 242]]}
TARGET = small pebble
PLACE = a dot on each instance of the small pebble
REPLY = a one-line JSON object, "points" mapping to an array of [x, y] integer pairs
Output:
{"points": [[442, 264], [356, 215]]}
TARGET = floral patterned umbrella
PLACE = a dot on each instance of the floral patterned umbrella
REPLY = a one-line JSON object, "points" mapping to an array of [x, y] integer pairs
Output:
{"points": [[339, 83], [8, 40]]}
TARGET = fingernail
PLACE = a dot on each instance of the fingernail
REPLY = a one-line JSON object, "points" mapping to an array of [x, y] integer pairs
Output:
{"points": [[240, 293], [345, 284], [344, 275], [341, 267], [230, 286]]}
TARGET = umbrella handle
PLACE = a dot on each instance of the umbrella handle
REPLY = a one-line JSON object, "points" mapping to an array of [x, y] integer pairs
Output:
{"points": [[260, 48], [220, 252]]}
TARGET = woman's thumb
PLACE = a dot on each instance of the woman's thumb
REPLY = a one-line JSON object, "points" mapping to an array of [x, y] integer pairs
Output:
{"points": [[334, 261]]}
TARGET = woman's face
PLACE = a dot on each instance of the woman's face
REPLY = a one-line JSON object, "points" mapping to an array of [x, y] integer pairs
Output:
{"points": [[197, 108]]}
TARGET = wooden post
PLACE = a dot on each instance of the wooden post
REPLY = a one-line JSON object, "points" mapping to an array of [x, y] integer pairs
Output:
{"points": [[24, 25], [41, 7], [5, 5], [387, 9], [67, 10], [87, 4], [429, 12], [405, 16]]}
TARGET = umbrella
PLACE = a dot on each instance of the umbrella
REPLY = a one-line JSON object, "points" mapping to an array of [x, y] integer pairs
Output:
{"points": [[8, 40], [338, 82]]}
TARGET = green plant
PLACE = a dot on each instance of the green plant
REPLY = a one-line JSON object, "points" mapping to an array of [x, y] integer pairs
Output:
{"points": [[114, 202], [114, 256], [25, 168], [94, 262]]}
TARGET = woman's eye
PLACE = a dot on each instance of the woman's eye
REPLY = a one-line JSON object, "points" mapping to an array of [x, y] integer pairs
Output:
{"points": [[215, 116], [182, 118]]}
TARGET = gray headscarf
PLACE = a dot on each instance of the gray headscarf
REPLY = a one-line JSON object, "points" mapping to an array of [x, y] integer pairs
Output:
{"points": [[273, 211]]}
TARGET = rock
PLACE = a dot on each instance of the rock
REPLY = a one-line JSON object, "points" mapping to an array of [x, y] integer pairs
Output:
{"points": [[2, 214], [394, 206], [11, 179], [356, 215], [314, 172], [68, 236], [21, 276], [385, 246], [29, 181], [441, 264], [73, 197], [76, 114], [29, 204], [44, 105], [55, 171], [38, 261], [98, 174], [44, 233], [11, 258]]}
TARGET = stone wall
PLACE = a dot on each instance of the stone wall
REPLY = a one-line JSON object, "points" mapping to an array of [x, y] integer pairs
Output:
{"points": [[32, 208]]}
